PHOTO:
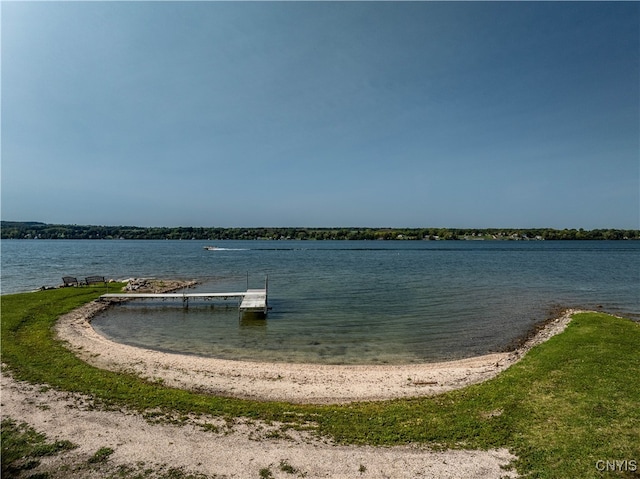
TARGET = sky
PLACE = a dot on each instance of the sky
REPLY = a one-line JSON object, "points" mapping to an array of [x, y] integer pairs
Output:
{"points": [[321, 114]]}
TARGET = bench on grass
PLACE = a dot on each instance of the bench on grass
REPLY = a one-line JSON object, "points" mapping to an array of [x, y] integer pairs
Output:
{"points": [[69, 281], [94, 280]]}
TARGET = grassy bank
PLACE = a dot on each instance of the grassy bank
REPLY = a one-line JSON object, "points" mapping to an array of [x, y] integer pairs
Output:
{"points": [[570, 403]]}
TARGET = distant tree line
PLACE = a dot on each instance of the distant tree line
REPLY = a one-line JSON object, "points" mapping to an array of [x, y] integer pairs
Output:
{"points": [[33, 230]]}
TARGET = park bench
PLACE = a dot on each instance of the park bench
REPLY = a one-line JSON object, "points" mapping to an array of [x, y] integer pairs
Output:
{"points": [[94, 280], [69, 281]]}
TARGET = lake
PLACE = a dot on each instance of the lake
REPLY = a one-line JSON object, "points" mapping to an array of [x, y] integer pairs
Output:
{"points": [[342, 302]]}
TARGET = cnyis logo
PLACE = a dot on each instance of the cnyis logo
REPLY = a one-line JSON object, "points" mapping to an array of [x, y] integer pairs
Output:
{"points": [[617, 465]]}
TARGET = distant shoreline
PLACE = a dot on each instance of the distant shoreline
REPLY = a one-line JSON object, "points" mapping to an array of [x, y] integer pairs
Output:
{"points": [[36, 230]]}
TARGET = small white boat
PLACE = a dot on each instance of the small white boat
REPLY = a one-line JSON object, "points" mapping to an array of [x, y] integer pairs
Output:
{"points": [[212, 248]]}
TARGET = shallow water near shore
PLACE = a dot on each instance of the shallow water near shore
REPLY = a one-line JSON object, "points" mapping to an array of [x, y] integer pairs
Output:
{"points": [[342, 302]]}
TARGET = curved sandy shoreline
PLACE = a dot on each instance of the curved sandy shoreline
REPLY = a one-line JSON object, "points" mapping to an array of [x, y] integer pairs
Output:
{"points": [[295, 383]]}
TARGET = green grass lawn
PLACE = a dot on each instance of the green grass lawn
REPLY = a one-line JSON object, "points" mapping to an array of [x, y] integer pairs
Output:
{"points": [[571, 402]]}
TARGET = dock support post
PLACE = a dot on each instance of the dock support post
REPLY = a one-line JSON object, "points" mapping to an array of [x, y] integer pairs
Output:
{"points": [[266, 294]]}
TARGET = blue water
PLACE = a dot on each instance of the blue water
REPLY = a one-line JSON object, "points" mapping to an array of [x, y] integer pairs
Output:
{"points": [[340, 301]]}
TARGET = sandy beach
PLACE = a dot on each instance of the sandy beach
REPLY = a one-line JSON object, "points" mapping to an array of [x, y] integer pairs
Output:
{"points": [[244, 448]]}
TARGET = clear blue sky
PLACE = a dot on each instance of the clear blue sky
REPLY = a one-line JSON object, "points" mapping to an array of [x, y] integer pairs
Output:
{"points": [[321, 114]]}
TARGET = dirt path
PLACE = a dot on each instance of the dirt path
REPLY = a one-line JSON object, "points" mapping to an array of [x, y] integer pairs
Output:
{"points": [[241, 450]]}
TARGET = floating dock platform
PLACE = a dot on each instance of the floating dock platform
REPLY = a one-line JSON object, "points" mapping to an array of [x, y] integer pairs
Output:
{"points": [[254, 301]]}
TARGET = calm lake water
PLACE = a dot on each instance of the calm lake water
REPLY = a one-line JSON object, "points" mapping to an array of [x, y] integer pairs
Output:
{"points": [[341, 301]]}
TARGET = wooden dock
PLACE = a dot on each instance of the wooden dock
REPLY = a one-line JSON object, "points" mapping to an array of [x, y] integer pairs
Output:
{"points": [[250, 301]]}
